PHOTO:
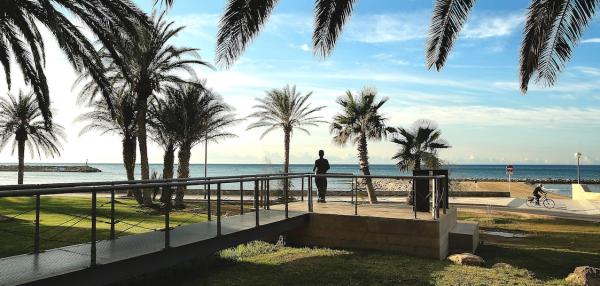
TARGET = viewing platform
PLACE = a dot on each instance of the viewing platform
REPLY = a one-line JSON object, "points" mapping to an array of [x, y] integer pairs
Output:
{"points": [[353, 225]]}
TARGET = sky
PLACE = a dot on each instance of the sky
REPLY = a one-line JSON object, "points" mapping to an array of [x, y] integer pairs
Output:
{"points": [[475, 99]]}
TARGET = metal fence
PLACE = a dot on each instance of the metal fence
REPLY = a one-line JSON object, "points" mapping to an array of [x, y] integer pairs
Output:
{"points": [[261, 198]]}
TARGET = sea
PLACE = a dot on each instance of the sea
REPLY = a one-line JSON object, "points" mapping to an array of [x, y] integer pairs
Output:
{"points": [[112, 172]]}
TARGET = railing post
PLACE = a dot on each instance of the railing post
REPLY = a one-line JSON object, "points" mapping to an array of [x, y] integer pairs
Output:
{"points": [[268, 187], [256, 202], [241, 197], [285, 197], [208, 200], [168, 220], [36, 239], [112, 214], [302, 190], [436, 202], [414, 197], [262, 193], [310, 194], [219, 209], [352, 190], [93, 242], [356, 196]]}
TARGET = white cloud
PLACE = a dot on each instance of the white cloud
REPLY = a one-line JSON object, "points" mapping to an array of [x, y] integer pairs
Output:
{"points": [[388, 27], [588, 70], [401, 27], [305, 47], [479, 115], [591, 40], [482, 26]]}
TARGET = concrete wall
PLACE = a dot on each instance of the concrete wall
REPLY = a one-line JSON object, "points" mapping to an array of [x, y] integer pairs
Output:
{"points": [[582, 193], [424, 238]]}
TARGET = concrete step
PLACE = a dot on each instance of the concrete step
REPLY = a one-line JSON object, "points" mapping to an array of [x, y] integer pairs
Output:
{"points": [[464, 237]]}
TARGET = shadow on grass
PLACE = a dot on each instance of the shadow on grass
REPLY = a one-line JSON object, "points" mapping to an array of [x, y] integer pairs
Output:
{"points": [[545, 263]]}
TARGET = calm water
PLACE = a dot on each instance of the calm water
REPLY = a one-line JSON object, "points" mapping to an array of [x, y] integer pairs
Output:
{"points": [[117, 172]]}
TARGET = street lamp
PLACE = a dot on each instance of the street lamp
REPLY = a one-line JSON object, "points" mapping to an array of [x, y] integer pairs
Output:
{"points": [[578, 156]]}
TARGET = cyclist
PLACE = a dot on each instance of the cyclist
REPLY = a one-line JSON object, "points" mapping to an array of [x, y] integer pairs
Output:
{"points": [[536, 193]]}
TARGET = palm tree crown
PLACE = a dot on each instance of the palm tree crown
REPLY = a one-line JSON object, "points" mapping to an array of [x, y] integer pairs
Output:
{"points": [[360, 116], [21, 40], [286, 109], [22, 121], [419, 144]]}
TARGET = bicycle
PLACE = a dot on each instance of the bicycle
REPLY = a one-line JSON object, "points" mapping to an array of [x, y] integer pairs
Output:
{"points": [[544, 200]]}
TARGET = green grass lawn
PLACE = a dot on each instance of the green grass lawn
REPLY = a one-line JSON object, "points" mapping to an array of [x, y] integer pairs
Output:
{"points": [[554, 247], [551, 250], [67, 220]]}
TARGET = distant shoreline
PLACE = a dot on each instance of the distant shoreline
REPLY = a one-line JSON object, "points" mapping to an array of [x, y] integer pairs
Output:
{"points": [[50, 168]]}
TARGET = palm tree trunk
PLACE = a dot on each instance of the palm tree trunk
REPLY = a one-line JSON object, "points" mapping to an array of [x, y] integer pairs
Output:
{"points": [[21, 150], [129, 155], [363, 157], [286, 162], [183, 171], [168, 162], [142, 108]]}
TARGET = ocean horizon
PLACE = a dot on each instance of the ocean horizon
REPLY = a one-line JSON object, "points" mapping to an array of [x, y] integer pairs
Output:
{"points": [[115, 171]]}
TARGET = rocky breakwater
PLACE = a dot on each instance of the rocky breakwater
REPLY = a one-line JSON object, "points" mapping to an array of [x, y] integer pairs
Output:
{"points": [[49, 168]]}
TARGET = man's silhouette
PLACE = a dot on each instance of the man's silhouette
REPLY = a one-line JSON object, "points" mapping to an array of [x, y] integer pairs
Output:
{"points": [[321, 167]]}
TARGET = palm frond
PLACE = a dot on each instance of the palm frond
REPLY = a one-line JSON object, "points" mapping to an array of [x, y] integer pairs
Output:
{"points": [[448, 19], [240, 23], [330, 17]]}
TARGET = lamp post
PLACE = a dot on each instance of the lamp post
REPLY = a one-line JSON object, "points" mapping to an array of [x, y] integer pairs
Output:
{"points": [[578, 156]]}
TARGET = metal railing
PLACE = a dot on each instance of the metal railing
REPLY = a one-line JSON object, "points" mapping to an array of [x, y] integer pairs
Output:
{"points": [[261, 197], [261, 189], [438, 189]]}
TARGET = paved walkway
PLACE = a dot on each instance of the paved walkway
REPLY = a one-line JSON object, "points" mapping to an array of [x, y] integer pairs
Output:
{"points": [[564, 207]]}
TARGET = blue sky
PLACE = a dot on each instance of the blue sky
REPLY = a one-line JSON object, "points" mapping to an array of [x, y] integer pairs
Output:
{"points": [[475, 99]]}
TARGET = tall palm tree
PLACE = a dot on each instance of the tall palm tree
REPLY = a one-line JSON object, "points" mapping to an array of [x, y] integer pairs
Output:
{"points": [[150, 63], [22, 121], [552, 30], [360, 121], [200, 114], [419, 144], [21, 40], [119, 120], [287, 110]]}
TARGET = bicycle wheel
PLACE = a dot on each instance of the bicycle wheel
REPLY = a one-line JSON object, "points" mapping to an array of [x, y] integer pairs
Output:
{"points": [[548, 203], [530, 202]]}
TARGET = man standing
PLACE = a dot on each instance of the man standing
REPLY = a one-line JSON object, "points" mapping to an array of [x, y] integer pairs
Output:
{"points": [[321, 167]]}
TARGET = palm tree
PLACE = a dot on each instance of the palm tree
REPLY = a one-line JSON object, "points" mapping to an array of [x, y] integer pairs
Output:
{"points": [[162, 123], [201, 115], [150, 64], [552, 30], [287, 110], [22, 121], [359, 121], [21, 41], [119, 120], [419, 144]]}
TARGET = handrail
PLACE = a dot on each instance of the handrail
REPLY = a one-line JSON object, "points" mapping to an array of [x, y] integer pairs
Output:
{"points": [[131, 182], [153, 184]]}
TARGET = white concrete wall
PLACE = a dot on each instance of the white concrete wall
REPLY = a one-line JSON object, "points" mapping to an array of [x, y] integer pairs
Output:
{"points": [[582, 193]]}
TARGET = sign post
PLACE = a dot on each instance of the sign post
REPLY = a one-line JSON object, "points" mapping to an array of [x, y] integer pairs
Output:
{"points": [[509, 172]]}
